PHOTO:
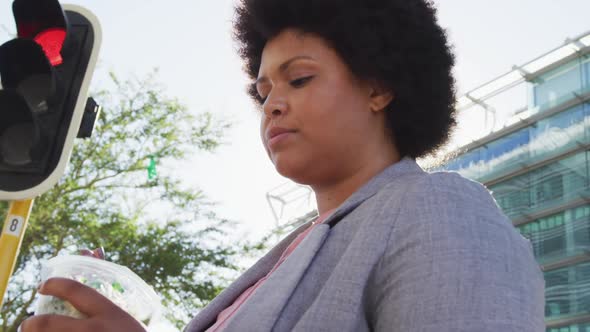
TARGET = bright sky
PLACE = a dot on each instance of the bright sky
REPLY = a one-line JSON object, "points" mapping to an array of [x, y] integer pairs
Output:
{"points": [[190, 42]]}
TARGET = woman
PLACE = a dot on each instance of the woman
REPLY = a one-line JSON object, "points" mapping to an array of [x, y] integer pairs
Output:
{"points": [[351, 92]]}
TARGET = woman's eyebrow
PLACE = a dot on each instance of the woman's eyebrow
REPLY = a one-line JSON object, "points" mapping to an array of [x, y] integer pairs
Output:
{"points": [[284, 66]]}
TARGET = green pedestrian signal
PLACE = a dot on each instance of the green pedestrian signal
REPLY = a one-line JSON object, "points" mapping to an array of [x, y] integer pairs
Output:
{"points": [[152, 173]]}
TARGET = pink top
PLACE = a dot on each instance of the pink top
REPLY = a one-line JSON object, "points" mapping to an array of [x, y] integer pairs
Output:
{"points": [[229, 311]]}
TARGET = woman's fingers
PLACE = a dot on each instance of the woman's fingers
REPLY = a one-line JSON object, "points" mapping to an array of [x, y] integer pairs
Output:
{"points": [[99, 252], [87, 300], [51, 323], [103, 315], [96, 253], [86, 252]]}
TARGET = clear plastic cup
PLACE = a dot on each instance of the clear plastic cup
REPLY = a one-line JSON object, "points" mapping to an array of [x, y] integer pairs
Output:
{"points": [[116, 282]]}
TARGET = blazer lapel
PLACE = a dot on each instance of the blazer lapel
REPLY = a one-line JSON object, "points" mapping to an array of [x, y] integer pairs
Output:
{"points": [[262, 309], [208, 315]]}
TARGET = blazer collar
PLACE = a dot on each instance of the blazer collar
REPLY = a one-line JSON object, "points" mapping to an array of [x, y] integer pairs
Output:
{"points": [[264, 306], [208, 315], [406, 166]]}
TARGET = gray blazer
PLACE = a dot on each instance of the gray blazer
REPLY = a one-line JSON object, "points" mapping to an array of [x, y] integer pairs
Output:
{"points": [[410, 251]]}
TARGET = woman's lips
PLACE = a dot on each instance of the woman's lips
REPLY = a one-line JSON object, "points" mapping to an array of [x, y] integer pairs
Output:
{"points": [[277, 135], [275, 140]]}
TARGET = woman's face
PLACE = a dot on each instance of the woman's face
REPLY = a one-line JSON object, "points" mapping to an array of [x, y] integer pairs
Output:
{"points": [[319, 122]]}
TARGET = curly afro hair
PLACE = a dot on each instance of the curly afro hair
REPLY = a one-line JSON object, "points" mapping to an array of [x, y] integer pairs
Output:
{"points": [[397, 43]]}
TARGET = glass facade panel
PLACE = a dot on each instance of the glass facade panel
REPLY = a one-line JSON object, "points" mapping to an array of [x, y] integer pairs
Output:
{"points": [[506, 153], [547, 138], [558, 85], [567, 292], [547, 187], [571, 328], [559, 236], [586, 72], [469, 164], [559, 133], [581, 230], [513, 196]]}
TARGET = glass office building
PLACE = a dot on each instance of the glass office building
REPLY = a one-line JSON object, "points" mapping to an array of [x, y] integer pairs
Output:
{"points": [[526, 136]]}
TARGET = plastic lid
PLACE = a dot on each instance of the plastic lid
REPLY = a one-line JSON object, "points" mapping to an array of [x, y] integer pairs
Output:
{"points": [[130, 292]]}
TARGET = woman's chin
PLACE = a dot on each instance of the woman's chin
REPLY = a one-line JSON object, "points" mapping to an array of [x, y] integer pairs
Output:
{"points": [[294, 170]]}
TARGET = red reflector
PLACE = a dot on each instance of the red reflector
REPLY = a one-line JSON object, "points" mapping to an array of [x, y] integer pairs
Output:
{"points": [[52, 41]]}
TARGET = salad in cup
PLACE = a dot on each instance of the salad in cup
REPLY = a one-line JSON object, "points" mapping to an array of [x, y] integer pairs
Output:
{"points": [[116, 282]]}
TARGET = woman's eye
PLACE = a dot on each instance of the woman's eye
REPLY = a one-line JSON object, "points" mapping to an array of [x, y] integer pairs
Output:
{"points": [[300, 81], [294, 83]]}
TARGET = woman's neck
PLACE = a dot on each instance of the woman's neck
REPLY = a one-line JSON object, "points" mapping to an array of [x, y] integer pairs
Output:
{"points": [[331, 195]]}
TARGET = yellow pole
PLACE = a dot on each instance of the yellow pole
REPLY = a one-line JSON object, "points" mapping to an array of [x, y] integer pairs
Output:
{"points": [[11, 239]]}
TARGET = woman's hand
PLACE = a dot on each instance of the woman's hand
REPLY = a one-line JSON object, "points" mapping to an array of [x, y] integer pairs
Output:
{"points": [[103, 315]]}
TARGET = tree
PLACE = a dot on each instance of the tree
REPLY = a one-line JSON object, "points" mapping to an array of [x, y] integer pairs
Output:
{"points": [[164, 232]]}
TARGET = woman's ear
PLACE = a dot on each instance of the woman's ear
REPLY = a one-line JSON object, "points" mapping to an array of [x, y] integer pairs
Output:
{"points": [[380, 97]]}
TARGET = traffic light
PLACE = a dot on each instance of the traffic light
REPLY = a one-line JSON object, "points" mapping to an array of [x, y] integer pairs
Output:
{"points": [[45, 73]]}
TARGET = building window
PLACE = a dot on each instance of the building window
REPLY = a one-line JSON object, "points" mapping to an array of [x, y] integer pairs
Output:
{"points": [[557, 297], [558, 133], [513, 196], [506, 147], [548, 188], [583, 287], [586, 65], [581, 222], [558, 85], [567, 291], [548, 237], [559, 236], [548, 137], [571, 328]]}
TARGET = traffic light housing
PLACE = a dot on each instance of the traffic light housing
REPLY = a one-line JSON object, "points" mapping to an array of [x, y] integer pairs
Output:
{"points": [[45, 73]]}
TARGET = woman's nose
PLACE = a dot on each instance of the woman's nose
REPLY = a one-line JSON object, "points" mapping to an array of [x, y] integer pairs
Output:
{"points": [[275, 106]]}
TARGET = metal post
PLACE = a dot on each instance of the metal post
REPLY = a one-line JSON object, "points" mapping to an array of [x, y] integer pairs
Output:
{"points": [[11, 239]]}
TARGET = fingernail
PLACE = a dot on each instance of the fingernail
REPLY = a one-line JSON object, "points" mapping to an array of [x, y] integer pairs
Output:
{"points": [[99, 252], [40, 285]]}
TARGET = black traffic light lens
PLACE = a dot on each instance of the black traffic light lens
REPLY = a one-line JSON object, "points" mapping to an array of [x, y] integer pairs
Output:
{"points": [[25, 68], [35, 16], [18, 132], [28, 81]]}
